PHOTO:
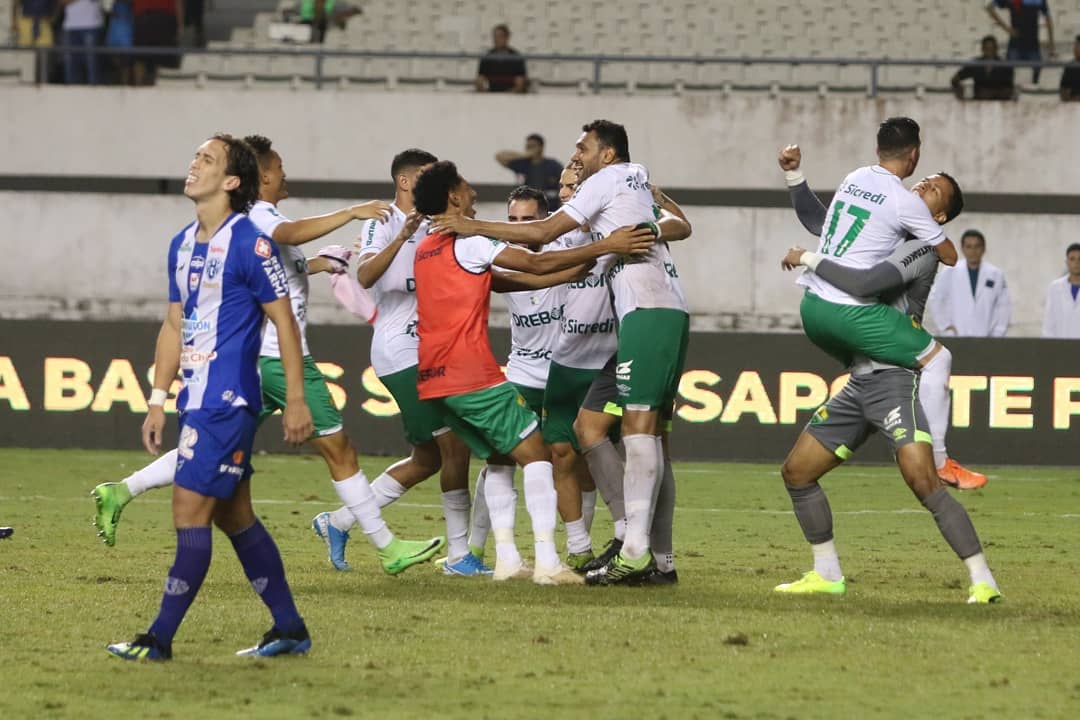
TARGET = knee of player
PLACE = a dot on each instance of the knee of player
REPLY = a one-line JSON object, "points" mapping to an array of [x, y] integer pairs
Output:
{"points": [[588, 433], [562, 454]]}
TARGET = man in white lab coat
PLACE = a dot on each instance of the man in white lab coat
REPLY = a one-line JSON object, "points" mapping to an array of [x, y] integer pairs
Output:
{"points": [[971, 299], [1062, 316]]}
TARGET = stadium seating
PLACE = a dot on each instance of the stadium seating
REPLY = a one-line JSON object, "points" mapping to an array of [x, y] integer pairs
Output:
{"points": [[854, 29]]}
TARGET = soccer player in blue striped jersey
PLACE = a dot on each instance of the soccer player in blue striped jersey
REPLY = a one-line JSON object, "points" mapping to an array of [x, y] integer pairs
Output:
{"points": [[211, 334]]}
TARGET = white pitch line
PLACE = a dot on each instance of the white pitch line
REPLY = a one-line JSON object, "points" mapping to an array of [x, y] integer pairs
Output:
{"points": [[432, 506]]}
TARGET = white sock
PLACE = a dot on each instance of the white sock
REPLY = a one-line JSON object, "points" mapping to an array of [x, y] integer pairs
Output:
{"points": [[935, 399], [665, 562], [826, 561], [501, 501], [542, 504], [620, 529], [343, 519], [157, 474], [588, 508], [357, 496], [481, 519], [456, 510], [979, 570], [643, 463], [386, 489], [577, 537]]}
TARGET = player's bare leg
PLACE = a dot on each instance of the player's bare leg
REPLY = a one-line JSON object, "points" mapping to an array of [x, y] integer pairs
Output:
{"points": [[569, 468]]}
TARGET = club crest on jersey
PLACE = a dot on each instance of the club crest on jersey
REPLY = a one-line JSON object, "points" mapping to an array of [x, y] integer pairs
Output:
{"points": [[197, 262], [193, 281], [263, 248], [213, 268]]}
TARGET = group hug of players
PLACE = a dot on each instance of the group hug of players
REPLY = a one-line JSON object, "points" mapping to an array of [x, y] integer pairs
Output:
{"points": [[599, 326]]}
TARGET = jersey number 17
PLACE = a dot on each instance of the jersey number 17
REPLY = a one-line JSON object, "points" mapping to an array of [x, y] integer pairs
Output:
{"points": [[859, 217]]}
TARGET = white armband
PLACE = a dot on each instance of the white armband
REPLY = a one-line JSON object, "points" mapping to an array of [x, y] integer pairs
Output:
{"points": [[157, 397], [811, 260], [794, 177]]}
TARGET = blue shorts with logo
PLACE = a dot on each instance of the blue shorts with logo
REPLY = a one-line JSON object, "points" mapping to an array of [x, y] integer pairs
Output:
{"points": [[214, 450]]}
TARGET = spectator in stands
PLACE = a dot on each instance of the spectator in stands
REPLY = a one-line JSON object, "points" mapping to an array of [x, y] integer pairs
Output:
{"points": [[319, 15], [991, 83], [1070, 76], [971, 299], [194, 11], [120, 33], [32, 22], [533, 169], [84, 27], [157, 24], [1061, 319], [1023, 29], [503, 68]]}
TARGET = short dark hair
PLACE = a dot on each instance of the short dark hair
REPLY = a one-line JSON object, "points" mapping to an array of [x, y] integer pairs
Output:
{"points": [[537, 137], [524, 192], [957, 205], [431, 195], [896, 136], [501, 26], [409, 159], [240, 161], [988, 38], [1072, 248], [262, 146], [612, 135], [972, 232]]}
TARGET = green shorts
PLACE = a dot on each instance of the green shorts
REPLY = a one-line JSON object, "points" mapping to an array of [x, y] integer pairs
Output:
{"points": [[563, 397], [492, 420], [879, 332], [324, 413], [652, 352], [423, 420], [534, 399]]}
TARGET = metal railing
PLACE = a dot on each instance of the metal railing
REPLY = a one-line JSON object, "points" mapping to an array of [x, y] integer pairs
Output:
{"points": [[320, 54]]}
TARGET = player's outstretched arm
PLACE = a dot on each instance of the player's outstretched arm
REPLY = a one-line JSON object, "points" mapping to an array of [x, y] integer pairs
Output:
{"points": [[296, 420], [374, 265], [807, 205], [533, 232], [298, 232], [861, 282], [624, 241], [504, 282], [166, 365]]}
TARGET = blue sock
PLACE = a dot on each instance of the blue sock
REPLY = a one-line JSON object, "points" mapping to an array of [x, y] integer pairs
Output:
{"points": [[262, 565], [193, 546]]}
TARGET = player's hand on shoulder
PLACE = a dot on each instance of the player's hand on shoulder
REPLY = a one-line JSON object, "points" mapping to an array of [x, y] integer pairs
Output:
{"points": [[297, 423], [153, 428], [412, 223], [631, 240], [580, 272], [790, 158], [372, 210], [447, 224], [793, 258]]}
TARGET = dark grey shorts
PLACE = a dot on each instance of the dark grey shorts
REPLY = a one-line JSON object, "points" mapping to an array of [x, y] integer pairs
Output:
{"points": [[886, 401], [603, 390]]}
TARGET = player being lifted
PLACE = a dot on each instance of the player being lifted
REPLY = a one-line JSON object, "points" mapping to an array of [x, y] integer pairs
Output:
{"points": [[911, 263], [458, 370], [223, 276], [387, 250], [652, 312], [329, 437], [876, 397]]}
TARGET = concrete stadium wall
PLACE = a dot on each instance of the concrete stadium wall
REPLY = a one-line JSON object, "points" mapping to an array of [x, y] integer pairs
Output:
{"points": [[694, 141], [101, 257]]}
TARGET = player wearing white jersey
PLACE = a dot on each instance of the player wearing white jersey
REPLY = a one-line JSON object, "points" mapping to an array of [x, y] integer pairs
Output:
{"points": [[386, 253], [652, 311], [329, 437], [885, 399]]}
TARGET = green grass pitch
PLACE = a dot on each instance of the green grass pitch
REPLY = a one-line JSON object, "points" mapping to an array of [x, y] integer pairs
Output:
{"points": [[902, 643]]}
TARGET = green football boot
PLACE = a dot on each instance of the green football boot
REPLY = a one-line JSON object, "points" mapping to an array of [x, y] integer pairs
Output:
{"points": [[400, 555], [110, 499], [811, 583], [983, 593]]}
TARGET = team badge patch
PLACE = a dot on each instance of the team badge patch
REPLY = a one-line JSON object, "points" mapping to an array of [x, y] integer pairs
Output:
{"points": [[213, 268], [262, 248], [193, 281]]}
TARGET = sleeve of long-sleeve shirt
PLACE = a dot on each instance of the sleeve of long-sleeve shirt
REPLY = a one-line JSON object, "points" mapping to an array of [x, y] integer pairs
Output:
{"points": [[808, 207]]}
